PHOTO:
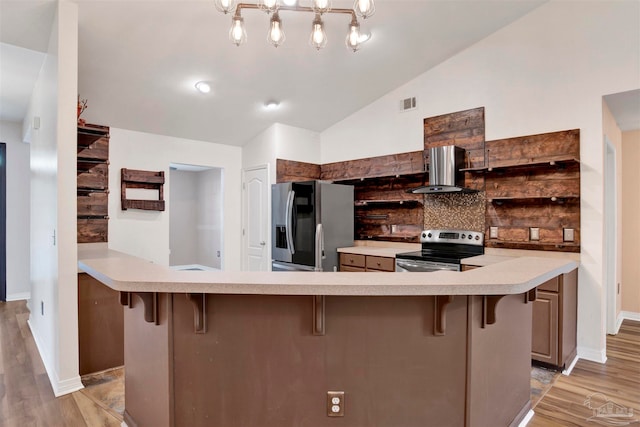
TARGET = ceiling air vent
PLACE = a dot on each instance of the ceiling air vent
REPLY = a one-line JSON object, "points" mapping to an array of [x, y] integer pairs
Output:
{"points": [[408, 104]]}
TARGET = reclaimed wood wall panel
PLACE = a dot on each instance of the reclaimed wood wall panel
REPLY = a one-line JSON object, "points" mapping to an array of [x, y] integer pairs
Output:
{"points": [[93, 204], [530, 148], [372, 167], [385, 211], [535, 182], [98, 150], [92, 230], [464, 129], [514, 218], [97, 178], [291, 171]]}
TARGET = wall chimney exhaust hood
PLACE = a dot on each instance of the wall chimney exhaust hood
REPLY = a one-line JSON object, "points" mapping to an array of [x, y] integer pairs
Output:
{"points": [[444, 172]]}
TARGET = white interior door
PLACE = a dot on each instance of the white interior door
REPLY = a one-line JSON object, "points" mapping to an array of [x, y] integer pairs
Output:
{"points": [[256, 220]]}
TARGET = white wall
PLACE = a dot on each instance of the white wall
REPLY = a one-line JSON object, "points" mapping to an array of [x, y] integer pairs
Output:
{"points": [[53, 268], [146, 233], [281, 142], [18, 204], [183, 217], [545, 72], [209, 218]]}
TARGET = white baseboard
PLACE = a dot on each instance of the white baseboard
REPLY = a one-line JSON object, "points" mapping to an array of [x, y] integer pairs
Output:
{"points": [[60, 387], [567, 371], [618, 323], [598, 356], [526, 419], [18, 296], [630, 315]]}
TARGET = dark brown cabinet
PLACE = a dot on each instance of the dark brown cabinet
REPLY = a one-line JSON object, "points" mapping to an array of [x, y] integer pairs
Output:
{"points": [[362, 263], [553, 341], [100, 326]]}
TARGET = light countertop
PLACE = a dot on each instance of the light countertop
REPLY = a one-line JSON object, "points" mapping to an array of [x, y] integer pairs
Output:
{"points": [[122, 272]]}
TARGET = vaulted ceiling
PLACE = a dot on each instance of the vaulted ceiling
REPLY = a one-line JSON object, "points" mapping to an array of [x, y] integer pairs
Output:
{"points": [[139, 61]]}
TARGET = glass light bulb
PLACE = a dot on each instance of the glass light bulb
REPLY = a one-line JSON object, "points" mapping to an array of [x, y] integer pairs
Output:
{"points": [[237, 34], [276, 34], [353, 36], [225, 6], [364, 8], [318, 36], [321, 6]]}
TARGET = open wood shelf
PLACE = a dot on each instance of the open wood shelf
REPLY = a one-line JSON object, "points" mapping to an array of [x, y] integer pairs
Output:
{"points": [[88, 134], [85, 165], [395, 202], [554, 199], [524, 163], [390, 176], [390, 237], [534, 245]]}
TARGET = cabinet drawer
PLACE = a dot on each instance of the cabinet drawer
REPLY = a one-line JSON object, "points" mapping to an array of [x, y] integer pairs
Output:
{"points": [[352, 260], [552, 285], [350, 268], [381, 263]]}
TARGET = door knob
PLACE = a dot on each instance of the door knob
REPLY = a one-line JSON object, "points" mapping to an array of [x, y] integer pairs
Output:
{"points": [[263, 243]]}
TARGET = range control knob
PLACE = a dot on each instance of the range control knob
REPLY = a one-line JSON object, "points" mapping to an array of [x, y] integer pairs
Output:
{"points": [[425, 234], [429, 235], [470, 236], [463, 236], [477, 237]]}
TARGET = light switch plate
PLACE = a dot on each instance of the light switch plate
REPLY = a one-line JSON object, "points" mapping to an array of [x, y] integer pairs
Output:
{"points": [[568, 234], [534, 233], [493, 232]]}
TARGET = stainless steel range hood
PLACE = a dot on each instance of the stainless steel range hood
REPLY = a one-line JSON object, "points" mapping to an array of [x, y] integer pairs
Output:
{"points": [[444, 172]]}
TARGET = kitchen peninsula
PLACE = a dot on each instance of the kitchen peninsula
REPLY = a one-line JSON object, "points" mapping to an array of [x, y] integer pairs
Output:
{"points": [[263, 349]]}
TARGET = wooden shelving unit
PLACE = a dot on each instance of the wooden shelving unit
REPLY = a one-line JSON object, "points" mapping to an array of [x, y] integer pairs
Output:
{"points": [[547, 161], [541, 199], [92, 183], [148, 180]]}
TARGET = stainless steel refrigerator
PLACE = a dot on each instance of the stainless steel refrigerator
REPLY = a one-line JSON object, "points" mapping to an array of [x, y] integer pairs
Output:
{"points": [[310, 220]]}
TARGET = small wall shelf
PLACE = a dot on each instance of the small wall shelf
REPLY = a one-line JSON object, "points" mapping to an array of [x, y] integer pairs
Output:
{"points": [[554, 199], [89, 134], [149, 180], [526, 163], [534, 245], [394, 202]]}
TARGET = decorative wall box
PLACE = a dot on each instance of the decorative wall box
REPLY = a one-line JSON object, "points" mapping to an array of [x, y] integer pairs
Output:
{"points": [[148, 180]]}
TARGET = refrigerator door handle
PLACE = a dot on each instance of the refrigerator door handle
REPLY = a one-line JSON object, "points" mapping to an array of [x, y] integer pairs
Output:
{"points": [[289, 222], [319, 247]]}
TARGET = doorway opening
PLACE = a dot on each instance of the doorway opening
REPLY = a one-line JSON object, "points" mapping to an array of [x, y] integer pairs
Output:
{"points": [[195, 217], [610, 233]]}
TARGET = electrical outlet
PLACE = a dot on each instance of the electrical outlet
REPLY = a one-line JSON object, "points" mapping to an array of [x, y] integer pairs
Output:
{"points": [[618, 288], [493, 232], [335, 403], [218, 254], [534, 233], [568, 234], [42, 308]]}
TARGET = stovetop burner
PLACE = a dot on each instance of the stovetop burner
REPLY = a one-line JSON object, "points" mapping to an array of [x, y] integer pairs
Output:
{"points": [[447, 246]]}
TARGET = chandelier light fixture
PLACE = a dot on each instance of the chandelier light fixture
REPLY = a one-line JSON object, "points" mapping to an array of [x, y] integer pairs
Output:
{"points": [[276, 35]]}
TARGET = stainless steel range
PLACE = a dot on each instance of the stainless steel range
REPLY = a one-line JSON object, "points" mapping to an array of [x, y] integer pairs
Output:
{"points": [[441, 250]]}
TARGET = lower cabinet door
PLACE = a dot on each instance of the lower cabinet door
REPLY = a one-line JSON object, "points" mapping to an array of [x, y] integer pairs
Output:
{"points": [[544, 340]]}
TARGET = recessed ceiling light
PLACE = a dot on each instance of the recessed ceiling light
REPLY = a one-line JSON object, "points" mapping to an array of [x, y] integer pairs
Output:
{"points": [[203, 87], [271, 105], [364, 36]]}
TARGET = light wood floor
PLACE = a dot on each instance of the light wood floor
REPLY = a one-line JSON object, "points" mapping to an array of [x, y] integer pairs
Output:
{"points": [[26, 397]]}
